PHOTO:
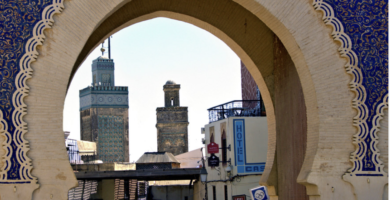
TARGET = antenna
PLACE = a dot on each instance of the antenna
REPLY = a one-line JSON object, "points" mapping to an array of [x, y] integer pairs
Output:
{"points": [[109, 48]]}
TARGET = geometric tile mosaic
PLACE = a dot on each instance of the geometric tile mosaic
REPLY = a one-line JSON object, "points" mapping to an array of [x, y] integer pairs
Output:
{"points": [[22, 26], [362, 29], [110, 138]]}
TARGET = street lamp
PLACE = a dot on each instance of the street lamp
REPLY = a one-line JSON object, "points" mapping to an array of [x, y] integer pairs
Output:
{"points": [[203, 176], [203, 179], [228, 170]]}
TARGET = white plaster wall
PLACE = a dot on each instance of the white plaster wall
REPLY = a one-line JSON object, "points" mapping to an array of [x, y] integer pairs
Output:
{"points": [[256, 144]]}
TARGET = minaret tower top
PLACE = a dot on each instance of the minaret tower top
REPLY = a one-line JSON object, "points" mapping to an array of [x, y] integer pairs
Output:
{"points": [[103, 70], [172, 97]]}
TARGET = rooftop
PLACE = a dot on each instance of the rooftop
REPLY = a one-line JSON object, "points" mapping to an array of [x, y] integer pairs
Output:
{"points": [[170, 82], [237, 108], [157, 157]]}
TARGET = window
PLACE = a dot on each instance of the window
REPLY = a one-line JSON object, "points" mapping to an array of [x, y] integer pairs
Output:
{"points": [[171, 101], [141, 188], [226, 193], [106, 79], [212, 137], [214, 194], [224, 156]]}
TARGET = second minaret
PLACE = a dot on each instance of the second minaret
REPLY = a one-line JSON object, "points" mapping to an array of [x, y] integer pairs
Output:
{"points": [[172, 122]]}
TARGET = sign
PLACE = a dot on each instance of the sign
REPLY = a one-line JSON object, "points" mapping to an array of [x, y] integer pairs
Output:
{"points": [[213, 161], [239, 142], [240, 150], [213, 148], [259, 193], [239, 197]]}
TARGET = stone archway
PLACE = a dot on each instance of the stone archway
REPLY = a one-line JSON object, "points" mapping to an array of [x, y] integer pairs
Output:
{"points": [[247, 27]]}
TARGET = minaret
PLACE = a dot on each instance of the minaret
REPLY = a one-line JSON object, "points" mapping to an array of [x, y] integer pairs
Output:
{"points": [[104, 112], [172, 122]]}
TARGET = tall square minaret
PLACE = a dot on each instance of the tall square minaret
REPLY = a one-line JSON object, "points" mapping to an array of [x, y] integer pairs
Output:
{"points": [[172, 122], [104, 113]]}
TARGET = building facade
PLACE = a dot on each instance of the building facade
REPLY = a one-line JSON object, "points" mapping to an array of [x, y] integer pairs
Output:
{"points": [[104, 113], [172, 122], [242, 156], [250, 90]]}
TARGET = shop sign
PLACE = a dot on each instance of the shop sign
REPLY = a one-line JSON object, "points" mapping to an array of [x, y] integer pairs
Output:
{"points": [[243, 166], [239, 197], [213, 161], [213, 148]]}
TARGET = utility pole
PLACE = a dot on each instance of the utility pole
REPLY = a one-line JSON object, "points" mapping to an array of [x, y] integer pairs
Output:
{"points": [[109, 48]]}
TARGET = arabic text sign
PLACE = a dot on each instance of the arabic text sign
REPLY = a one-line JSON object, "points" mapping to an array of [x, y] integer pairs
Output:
{"points": [[213, 148], [213, 161]]}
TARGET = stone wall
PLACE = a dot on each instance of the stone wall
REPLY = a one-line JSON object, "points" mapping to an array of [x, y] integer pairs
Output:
{"points": [[172, 129], [291, 128], [172, 114], [248, 84], [107, 127]]}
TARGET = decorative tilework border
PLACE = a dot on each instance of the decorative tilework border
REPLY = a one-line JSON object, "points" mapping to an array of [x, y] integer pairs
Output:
{"points": [[366, 138], [20, 108]]}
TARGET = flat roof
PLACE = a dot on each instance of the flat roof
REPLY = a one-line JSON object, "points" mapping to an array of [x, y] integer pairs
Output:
{"points": [[147, 174]]}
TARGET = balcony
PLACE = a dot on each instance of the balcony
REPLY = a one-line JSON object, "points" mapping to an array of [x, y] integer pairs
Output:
{"points": [[237, 108]]}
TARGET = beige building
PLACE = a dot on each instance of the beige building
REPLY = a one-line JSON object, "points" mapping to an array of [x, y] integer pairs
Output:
{"points": [[240, 167]]}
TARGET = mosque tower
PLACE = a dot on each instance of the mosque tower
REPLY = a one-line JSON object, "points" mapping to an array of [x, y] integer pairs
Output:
{"points": [[104, 112], [172, 122]]}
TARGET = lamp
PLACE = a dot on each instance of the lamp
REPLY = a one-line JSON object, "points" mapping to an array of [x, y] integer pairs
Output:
{"points": [[203, 175], [228, 170]]}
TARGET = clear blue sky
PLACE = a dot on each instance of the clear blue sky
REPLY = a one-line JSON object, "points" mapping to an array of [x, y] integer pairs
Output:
{"points": [[148, 54]]}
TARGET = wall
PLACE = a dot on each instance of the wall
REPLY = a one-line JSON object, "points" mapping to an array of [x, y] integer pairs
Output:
{"points": [[237, 186], [291, 128], [106, 189], [104, 167], [255, 146], [256, 139], [248, 84], [199, 190], [99, 132], [178, 192], [172, 129]]}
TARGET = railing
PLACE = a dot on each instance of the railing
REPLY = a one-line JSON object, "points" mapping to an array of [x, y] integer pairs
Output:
{"points": [[103, 88], [75, 157], [237, 108]]}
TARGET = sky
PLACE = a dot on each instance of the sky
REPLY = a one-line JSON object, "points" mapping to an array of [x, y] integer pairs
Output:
{"points": [[146, 55]]}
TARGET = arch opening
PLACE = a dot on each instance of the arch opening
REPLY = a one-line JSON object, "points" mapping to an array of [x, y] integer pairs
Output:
{"points": [[261, 66]]}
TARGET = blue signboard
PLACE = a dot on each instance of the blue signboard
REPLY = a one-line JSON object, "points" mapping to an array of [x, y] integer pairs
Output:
{"points": [[259, 193], [240, 150]]}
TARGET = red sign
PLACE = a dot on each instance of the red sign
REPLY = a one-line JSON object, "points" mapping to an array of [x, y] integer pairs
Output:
{"points": [[239, 197], [212, 148]]}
